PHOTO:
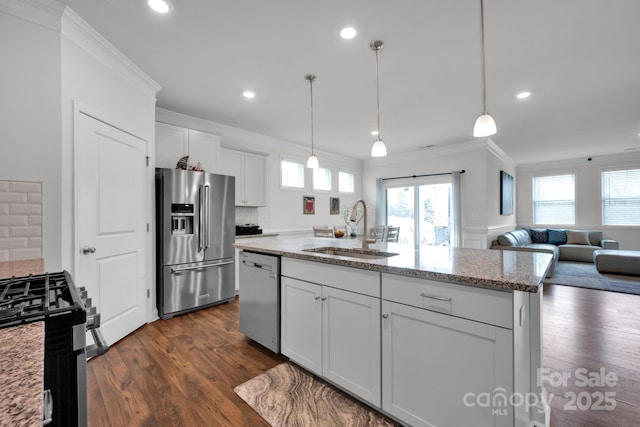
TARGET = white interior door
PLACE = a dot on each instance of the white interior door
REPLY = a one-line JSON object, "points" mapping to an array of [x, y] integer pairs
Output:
{"points": [[110, 176]]}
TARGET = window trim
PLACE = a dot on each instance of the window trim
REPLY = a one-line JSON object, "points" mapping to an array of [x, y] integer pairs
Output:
{"points": [[575, 196], [600, 182], [292, 159], [313, 179], [355, 181]]}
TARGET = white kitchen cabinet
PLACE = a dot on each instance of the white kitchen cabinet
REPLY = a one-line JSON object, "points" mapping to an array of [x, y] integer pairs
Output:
{"points": [[301, 323], [333, 332], [351, 342], [250, 172], [174, 142], [436, 366]]}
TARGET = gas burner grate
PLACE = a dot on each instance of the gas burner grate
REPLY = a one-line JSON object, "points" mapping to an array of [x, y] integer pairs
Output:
{"points": [[35, 296]]}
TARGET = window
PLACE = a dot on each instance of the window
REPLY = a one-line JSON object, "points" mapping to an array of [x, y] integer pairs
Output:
{"points": [[554, 199], [292, 174], [621, 197], [346, 182], [322, 179]]}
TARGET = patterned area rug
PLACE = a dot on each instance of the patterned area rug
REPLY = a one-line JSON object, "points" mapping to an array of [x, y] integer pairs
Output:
{"points": [[585, 275], [288, 396]]}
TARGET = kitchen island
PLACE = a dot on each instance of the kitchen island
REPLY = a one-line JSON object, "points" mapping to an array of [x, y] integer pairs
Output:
{"points": [[436, 336]]}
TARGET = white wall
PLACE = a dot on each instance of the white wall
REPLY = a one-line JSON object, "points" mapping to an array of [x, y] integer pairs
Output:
{"points": [[90, 82], [283, 212], [30, 119], [482, 161], [588, 195]]}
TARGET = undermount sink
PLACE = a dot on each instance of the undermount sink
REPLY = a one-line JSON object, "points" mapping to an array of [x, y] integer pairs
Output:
{"points": [[352, 252]]}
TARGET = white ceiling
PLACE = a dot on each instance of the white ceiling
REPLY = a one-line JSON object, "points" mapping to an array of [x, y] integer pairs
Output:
{"points": [[580, 58]]}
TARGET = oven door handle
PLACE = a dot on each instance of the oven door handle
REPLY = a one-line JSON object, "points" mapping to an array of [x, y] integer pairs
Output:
{"points": [[47, 407]]}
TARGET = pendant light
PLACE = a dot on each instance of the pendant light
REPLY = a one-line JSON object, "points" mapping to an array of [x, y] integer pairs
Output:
{"points": [[485, 125], [312, 161], [378, 149]]}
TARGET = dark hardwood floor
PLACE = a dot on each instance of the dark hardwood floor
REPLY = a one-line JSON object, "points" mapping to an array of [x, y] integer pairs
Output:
{"points": [[182, 372]]}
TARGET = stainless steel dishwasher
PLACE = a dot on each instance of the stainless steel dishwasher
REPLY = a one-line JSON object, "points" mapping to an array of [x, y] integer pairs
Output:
{"points": [[260, 298]]}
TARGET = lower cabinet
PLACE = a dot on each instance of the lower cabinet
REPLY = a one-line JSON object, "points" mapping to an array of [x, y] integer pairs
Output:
{"points": [[441, 370], [333, 333]]}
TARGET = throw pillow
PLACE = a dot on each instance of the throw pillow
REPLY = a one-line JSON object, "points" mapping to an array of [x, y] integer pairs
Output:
{"points": [[578, 237], [539, 235], [557, 237]]}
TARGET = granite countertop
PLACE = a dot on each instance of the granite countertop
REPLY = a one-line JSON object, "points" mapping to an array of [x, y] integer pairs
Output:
{"points": [[496, 269], [22, 375]]}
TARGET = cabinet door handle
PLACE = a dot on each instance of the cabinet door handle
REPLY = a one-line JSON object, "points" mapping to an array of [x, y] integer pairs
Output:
{"points": [[435, 297], [317, 298], [385, 315], [324, 298]]}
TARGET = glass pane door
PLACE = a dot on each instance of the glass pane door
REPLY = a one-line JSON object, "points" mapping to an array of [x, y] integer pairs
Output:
{"points": [[400, 212], [432, 203]]}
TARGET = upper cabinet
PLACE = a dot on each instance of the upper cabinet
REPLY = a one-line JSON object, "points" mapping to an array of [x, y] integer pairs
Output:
{"points": [[250, 172], [174, 142]]}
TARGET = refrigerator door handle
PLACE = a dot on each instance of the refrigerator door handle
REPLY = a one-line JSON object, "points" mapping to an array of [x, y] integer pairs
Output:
{"points": [[200, 267], [201, 219], [207, 207]]}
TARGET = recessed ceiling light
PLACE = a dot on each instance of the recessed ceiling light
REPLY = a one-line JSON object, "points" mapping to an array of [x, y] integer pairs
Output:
{"points": [[160, 6], [249, 94], [523, 95], [348, 33], [374, 132]]}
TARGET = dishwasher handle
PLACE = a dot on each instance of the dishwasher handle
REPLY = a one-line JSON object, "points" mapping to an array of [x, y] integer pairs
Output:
{"points": [[257, 265]]}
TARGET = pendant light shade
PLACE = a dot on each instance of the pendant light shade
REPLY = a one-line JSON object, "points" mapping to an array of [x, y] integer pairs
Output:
{"points": [[378, 149], [485, 125], [312, 161]]}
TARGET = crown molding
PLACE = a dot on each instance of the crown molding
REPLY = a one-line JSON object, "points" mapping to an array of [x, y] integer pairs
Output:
{"points": [[499, 153], [77, 30], [46, 13], [437, 151], [255, 141], [631, 158]]}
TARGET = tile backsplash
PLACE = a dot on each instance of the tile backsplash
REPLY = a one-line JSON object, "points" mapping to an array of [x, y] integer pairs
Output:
{"points": [[20, 220], [246, 215]]}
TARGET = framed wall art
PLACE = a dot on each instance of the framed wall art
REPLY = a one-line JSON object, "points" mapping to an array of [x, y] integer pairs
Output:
{"points": [[308, 205], [506, 193], [334, 205]]}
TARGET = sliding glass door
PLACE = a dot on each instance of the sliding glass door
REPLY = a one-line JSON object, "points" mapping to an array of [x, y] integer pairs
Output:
{"points": [[422, 209]]}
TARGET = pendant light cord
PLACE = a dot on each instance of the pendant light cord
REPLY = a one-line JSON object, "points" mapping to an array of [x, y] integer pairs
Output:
{"points": [[484, 77], [311, 79], [377, 48]]}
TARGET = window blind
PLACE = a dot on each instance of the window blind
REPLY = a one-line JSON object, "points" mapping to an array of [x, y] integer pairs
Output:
{"points": [[554, 199], [621, 197], [322, 179], [346, 182], [292, 174]]}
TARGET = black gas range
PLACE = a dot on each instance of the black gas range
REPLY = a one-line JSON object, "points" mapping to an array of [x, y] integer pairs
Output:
{"points": [[67, 314], [248, 229]]}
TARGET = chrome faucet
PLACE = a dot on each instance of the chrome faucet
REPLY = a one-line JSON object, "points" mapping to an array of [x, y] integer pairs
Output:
{"points": [[354, 216]]}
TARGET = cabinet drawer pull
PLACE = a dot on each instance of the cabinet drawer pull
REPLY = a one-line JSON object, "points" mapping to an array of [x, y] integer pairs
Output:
{"points": [[435, 297]]}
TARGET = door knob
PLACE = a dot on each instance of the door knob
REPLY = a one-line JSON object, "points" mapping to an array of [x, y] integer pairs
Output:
{"points": [[88, 250]]}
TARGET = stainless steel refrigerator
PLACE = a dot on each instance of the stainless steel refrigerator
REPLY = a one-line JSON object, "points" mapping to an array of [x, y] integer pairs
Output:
{"points": [[195, 221]]}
